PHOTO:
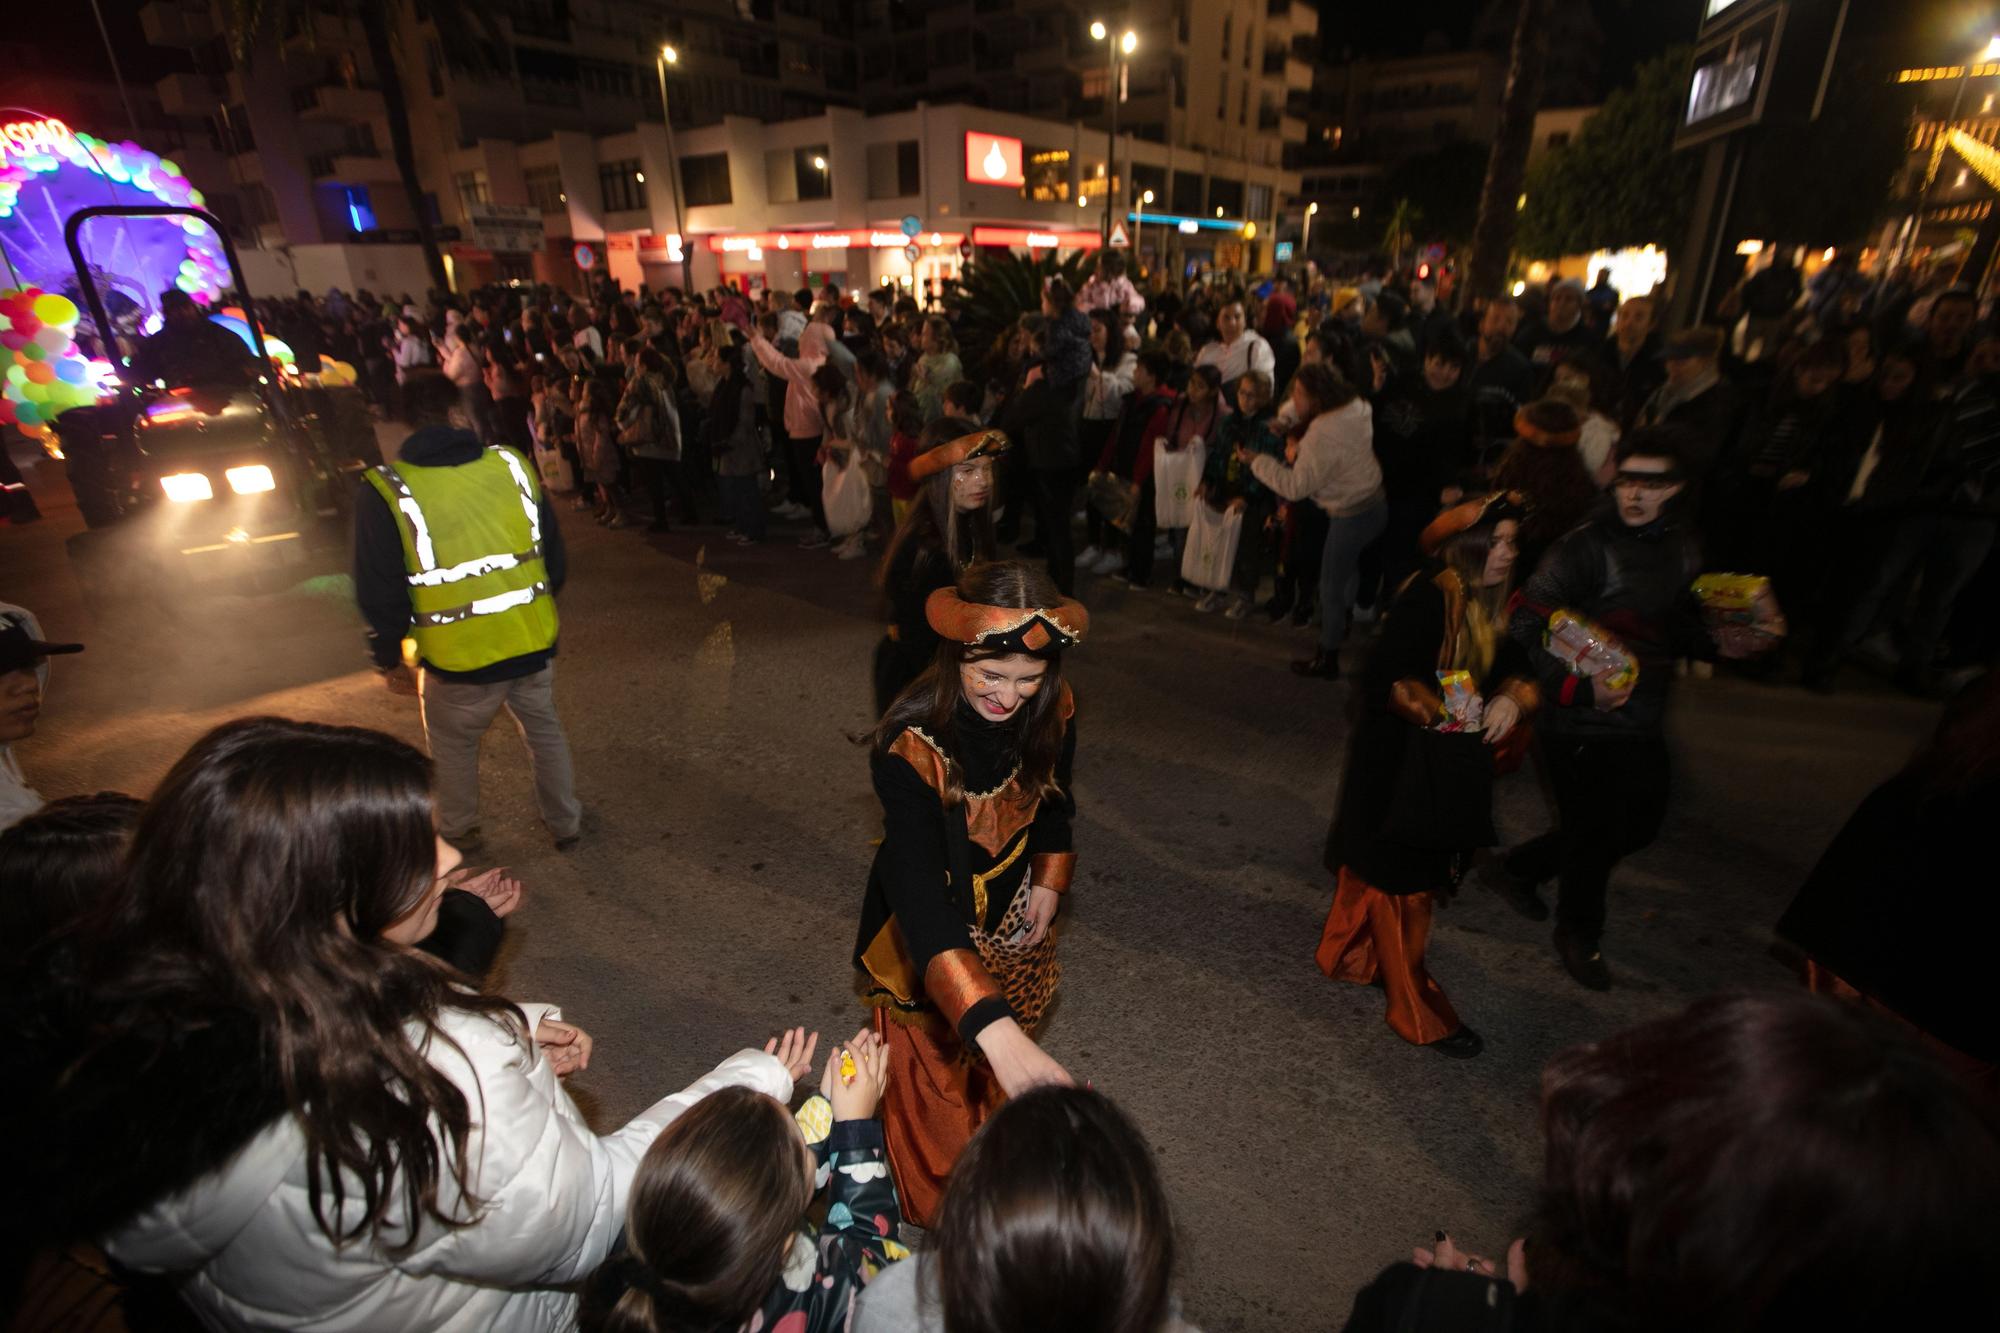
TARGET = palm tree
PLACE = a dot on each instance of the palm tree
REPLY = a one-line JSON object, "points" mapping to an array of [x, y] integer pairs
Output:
{"points": [[1507, 168], [997, 288], [1401, 233], [259, 26]]}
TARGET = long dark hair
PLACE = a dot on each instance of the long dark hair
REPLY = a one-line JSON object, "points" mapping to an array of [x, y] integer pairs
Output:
{"points": [[260, 880], [1055, 1218], [711, 1205], [935, 701], [1773, 1161], [935, 520]]}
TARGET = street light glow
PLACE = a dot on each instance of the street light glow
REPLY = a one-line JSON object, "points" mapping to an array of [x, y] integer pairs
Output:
{"points": [[1096, 32], [1993, 49], [1357, 212], [1218, 210], [1129, 42], [1147, 197], [670, 55], [1312, 208], [819, 164]]}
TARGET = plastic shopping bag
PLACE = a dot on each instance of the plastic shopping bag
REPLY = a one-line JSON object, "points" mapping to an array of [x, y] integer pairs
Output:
{"points": [[1211, 547], [845, 494], [1175, 476], [556, 473]]}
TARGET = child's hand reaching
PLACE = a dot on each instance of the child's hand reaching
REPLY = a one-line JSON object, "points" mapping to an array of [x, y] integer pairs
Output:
{"points": [[855, 1076], [794, 1050], [564, 1045]]}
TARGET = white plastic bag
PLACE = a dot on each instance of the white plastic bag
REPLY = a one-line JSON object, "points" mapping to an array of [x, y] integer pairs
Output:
{"points": [[1175, 476], [1211, 547], [555, 469], [845, 493]]}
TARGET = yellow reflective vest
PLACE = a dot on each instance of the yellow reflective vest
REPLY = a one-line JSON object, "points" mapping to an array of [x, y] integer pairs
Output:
{"points": [[472, 551]]}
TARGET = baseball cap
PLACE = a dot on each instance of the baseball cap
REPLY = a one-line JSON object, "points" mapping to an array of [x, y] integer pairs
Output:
{"points": [[20, 651]]}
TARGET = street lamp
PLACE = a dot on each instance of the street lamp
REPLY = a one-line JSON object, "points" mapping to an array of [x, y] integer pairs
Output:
{"points": [[1305, 241], [670, 56], [1125, 45], [1139, 231]]}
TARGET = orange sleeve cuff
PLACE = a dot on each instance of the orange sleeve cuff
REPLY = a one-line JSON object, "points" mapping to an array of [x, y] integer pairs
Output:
{"points": [[1052, 870], [955, 981]]}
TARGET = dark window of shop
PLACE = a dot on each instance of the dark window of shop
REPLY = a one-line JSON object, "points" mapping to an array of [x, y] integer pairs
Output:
{"points": [[892, 170], [1226, 195], [815, 173], [1187, 192], [622, 185], [1044, 174], [705, 180], [545, 188]]}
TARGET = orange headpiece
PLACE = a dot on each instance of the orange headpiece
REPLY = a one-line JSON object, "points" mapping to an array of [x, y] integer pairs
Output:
{"points": [[979, 444], [1007, 629], [1462, 517]]}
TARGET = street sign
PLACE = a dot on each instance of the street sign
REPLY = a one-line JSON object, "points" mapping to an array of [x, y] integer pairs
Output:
{"points": [[965, 248], [1282, 252], [912, 224], [1119, 240], [910, 252], [586, 258], [505, 228]]}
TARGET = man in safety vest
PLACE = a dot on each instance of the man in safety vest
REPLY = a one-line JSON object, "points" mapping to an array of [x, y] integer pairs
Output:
{"points": [[456, 546]]}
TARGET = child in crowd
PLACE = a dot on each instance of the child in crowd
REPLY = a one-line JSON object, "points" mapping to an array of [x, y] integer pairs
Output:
{"points": [[839, 438], [597, 445], [716, 1235], [906, 424], [1228, 485]]}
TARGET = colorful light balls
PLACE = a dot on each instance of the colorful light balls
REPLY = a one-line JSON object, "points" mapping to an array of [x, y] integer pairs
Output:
{"points": [[55, 308], [52, 339], [41, 373]]}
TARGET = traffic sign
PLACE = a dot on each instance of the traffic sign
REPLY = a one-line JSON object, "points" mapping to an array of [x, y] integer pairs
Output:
{"points": [[912, 224], [1282, 252], [1119, 240], [586, 258], [910, 252], [965, 248]]}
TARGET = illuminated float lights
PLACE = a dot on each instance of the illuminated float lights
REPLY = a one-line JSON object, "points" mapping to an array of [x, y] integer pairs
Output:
{"points": [[1981, 156], [36, 147]]}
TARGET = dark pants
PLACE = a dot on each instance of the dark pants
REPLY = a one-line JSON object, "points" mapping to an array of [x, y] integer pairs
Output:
{"points": [[1948, 549], [742, 505], [805, 485], [1139, 541], [1305, 545], [1611, 794], [658, 475], [1255, 549], [1055, 491]]}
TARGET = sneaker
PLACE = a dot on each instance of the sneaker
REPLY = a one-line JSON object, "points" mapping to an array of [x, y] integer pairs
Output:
{"points": [[1320, 666], [1582, 960], [1363, 615], [615, 521], [739, 539], [580, 504], [812, 541], [1089, 556], [1131, 584], [1109, 563], [1209, 602], [852, 548], [1278, 608], [568, 841], [791, 509], [1238, 609]]}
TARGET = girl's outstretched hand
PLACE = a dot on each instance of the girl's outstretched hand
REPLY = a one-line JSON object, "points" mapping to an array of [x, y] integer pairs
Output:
{"points": [[794, 1050]]}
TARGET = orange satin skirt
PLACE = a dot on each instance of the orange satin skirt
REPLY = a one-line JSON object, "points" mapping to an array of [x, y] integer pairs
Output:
{"points": [[935, 1101], [1371, 934]]}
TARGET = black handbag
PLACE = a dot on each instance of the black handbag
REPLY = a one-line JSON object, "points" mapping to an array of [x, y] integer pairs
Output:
{"points": [[1443, 797]]}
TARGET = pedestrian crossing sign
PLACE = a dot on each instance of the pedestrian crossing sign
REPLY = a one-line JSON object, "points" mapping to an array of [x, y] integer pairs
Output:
{"points": [[1118, 238]]}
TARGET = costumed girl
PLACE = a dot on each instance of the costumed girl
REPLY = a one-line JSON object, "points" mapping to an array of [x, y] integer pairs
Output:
{"points": [[1453, 620], [972, 764], [948, 529]]}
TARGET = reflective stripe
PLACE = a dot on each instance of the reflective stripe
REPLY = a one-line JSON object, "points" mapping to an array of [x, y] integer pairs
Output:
{"points": [[484, 606], [513, 462], [485, 564], [420, 531]]}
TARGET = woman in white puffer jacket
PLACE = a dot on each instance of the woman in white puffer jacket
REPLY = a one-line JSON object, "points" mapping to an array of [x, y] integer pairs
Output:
{"points": [[305, 1121]]}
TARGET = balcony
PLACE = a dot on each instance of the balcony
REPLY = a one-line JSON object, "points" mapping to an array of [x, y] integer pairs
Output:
{"points": [[189, 95], [173, 23], [1292, 129], [337, 102], [1298, 73]]}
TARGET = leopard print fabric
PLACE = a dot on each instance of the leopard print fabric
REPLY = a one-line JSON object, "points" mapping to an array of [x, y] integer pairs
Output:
{"points": [[1027, 974]]}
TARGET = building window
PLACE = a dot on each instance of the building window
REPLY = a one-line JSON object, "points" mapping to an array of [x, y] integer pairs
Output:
{"points": [[1228, 27], [1243, 106], [1561, 137], [792, 174], [545, 188], [1187, 192], [1044, 174], [472, 188], [705, 180], [1222, 98], [1258, 204], [622, 185], [893, 172]]}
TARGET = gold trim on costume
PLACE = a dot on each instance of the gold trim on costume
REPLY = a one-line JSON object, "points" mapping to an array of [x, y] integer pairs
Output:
{"points": [[956, 980], [979, 882]]}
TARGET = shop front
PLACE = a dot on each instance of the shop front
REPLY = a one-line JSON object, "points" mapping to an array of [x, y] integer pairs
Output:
{"points": [[849, 259]]}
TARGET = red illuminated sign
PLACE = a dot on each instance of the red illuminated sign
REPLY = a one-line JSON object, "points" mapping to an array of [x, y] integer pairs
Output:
{"points": [[743, 242], [993, 159], [1035, 239]]}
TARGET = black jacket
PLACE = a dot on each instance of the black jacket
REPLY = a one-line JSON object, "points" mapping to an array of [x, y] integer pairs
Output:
{"points": [[1635, 583], [1041, 419], [381, 586]]}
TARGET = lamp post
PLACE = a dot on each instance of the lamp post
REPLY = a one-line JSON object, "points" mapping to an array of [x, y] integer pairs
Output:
{"points": [[1113, 48], [669, 56], [1139, 231], [1305, 240]]}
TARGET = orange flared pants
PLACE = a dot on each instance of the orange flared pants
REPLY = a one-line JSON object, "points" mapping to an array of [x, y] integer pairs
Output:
{"points": [[1371, 934], [936, 1099]]}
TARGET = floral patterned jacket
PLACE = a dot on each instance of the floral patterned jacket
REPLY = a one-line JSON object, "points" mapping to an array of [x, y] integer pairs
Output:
{"points": [[829, 1265]]}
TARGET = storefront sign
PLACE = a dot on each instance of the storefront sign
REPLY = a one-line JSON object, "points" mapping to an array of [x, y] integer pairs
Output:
{"points": [[744, 242], [992, 159], [661, 248], [1037, 240], [505, 228]]}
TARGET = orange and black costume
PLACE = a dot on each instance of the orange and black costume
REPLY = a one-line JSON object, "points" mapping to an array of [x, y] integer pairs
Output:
{"points": [[937, 951], [1380, 921]]}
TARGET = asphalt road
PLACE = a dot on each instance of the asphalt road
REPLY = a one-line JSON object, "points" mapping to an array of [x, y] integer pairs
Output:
{"points": [[709, 691]]}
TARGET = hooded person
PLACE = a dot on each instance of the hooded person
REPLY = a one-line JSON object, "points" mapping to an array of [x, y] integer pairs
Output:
{"points": [[24, 678]]}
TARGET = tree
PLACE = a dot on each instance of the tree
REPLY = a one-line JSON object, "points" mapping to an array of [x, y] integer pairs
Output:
{"points": [[1493, 233], [1401, 233], [259, 26], [1619, 182], [997, 288], [1443, 186]]}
